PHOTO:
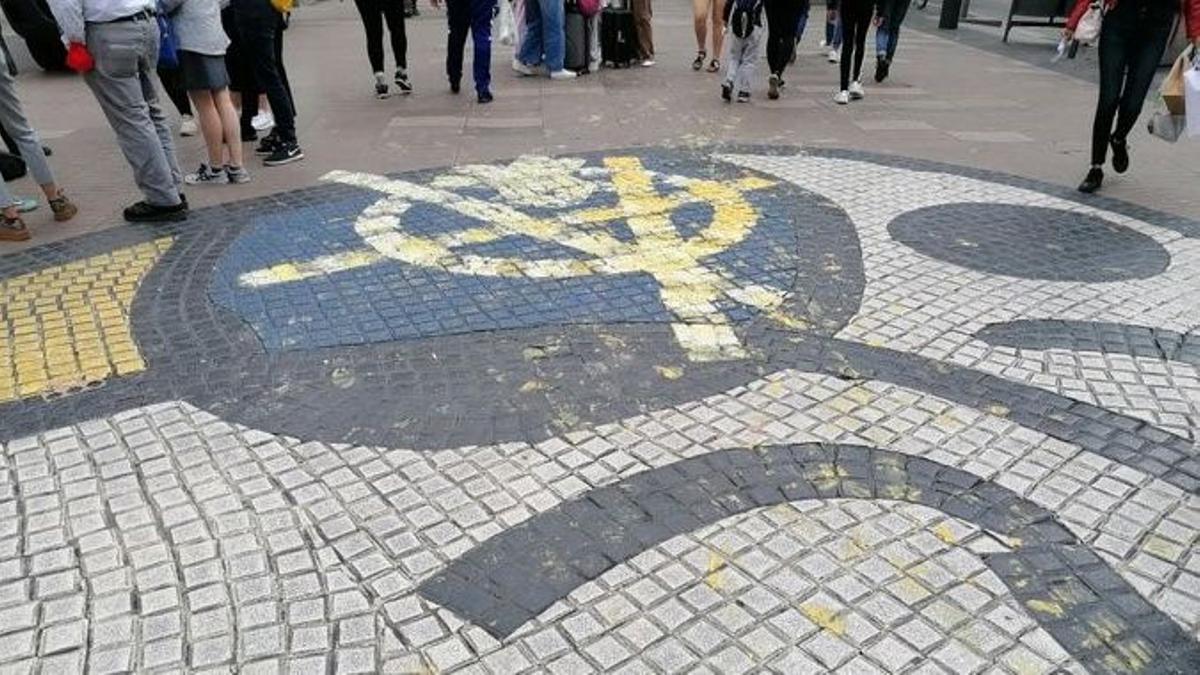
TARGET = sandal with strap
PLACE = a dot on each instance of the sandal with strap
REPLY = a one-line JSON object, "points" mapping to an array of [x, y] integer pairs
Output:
{"points": [[13, 229], [714, 66], [62, 207], [699, 62]]}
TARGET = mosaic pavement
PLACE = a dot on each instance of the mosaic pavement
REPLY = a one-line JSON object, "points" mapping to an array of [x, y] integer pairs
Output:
{"points": [[662, 410]]}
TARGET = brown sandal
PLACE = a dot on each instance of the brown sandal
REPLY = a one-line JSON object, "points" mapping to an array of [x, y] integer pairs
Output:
{"points": [[13, 229], [63, 208]]}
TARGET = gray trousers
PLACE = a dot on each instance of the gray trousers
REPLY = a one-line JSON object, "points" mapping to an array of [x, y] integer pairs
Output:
{"points": [[126, 56], [12, 118], [742, 58]]}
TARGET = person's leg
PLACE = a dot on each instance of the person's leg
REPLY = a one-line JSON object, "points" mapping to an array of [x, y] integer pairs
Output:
{"points": [[458, 15], [718, 26], [162, 125], [595, 49], [393, 13], [642, 14], [481, 36], [554, 41], [749, 59], [1143, 63], [860, 39], [259, 35], [280, 29], [776, 11], [172, 83], [371, 13], [733, 61], [848, 23], [210, 126], [230, 132], [895, 19], [117, 85], [532, 52], [1113, 53], [700, 10], [29, 146], [802, 20]]}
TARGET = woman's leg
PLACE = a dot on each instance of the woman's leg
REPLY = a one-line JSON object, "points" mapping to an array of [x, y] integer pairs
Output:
{"points": [[718, 27], [1143, 62], [210, 126], [700, 9], [393, 13], [849, 23], [860, 39], [372, 20], [776, 15], [172, 83], [231, 132], [1113, 61]]}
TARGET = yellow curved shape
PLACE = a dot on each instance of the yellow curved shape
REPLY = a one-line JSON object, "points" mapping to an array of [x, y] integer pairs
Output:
{"points": [[68, 326]]}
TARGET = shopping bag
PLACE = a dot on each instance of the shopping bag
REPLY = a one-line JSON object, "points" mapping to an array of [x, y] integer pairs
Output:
{"points": [[168, 42], [1088, 28], [1191, 98], [1166, 126], [506, 25], [1172, 86]]}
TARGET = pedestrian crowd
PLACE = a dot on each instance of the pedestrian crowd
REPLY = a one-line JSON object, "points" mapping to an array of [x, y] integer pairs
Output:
{"points": [[221, 64]]}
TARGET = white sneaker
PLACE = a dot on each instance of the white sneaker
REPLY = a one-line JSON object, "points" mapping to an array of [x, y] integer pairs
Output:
{"points": [[835, 55], [187, 126], [563, 75], [522, 69], [647, 63], [263, 120], [856, 91], [842, 97]]}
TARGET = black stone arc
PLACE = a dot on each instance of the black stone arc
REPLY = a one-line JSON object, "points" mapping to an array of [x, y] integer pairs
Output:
{"points": [[514, 576]]}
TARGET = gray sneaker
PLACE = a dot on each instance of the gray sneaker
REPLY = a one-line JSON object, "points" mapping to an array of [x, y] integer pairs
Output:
{"points": [[207, 175], [237, 174]]}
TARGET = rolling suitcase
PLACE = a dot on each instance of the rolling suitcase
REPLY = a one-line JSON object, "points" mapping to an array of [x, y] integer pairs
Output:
{"points": [[575, 56], [618, 41]]}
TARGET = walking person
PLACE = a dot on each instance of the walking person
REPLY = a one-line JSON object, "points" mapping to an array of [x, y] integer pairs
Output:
{"points": [[474, 16], [706, 14], [543, 48], [855, 16], [259, 26], [1132, 40], [887, 35], [16, 126], [833, 36], [202, 45], [781, 40], [642, 15], [115, 43], [744, 21], [801, 25], [373, 14], [172, 83]]}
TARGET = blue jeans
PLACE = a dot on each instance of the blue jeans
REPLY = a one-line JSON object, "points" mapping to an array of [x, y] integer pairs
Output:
{"points": [[544, 40], [833, 32], [802, 19], [888, 33]]}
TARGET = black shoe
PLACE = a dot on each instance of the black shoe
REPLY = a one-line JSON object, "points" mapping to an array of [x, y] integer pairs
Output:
{"points": [[1120, 154], [381, 90], [743, 97], [145, 212], [485, 97], [882, 65], [285, 153], [773, 87], [1093, 180], [47, 151], [455, 86], [727, 92], [249, 135], [268, 145]]}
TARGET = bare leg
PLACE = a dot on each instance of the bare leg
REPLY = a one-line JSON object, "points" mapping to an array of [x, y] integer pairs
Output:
{"points": [[231, 128], [718, 27], [210, 126], [700, 9]]}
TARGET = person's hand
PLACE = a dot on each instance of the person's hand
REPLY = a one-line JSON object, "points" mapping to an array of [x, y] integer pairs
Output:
{"points": [[1068, 34], [79, 59]]}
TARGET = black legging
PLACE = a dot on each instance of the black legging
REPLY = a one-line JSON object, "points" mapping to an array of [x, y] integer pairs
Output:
{"points": [[172, 83], [374, 13], [1132, 40], [781, 32], [856, 19]]}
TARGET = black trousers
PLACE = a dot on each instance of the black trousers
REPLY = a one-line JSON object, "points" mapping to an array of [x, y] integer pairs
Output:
{"points": [[374, 13], [474, 16], [260, 33], [856, 20], [782, 16], [1132, 39]]}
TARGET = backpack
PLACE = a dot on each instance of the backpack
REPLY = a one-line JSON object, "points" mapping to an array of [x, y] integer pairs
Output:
{"points": [[741, 21]]}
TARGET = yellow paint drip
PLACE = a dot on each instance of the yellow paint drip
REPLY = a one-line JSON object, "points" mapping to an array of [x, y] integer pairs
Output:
{"points": [[942, 531], [1046, 607], [532, 386], [714, 578], [68, 326], [669, 372], [824, 617]]}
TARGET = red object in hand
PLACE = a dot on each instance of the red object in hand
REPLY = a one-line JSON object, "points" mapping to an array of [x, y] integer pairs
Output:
{"points": [[78, 58]]}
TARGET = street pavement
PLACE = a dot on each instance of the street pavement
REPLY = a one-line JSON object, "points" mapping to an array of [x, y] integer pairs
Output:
{"points": [[610, 376]]}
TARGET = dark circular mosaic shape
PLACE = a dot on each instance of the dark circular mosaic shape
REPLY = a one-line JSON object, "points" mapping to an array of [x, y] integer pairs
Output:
{"points": [[1030, 242]]}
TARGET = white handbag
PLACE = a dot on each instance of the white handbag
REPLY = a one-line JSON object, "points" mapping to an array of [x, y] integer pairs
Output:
{"points": [[1088, 28], [1191, 96]]}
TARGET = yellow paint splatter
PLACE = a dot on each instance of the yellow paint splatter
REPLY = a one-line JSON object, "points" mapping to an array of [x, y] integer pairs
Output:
{"points": [[532, 386], [942, 531], [998, 410], [824, 617], [669, 372], [714, 578], [1046, 607]]}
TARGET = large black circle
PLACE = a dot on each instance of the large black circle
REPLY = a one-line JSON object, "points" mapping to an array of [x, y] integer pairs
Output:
{"points": [[1030, 242]]}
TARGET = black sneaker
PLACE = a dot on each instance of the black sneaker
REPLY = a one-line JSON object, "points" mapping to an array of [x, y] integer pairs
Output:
{"points": [[455, 86], [268, 145], [485, 97], [145, 212], [381, 90], [249, 136], [743, 97], [285, 153], [402, 82], [1093, 180], [1120, 154], [727, 92], [772, 87], [882, 65]]}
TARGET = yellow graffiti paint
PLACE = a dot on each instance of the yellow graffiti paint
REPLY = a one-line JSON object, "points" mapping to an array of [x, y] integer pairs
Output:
{"points": [[689, 288], [669, 372], [1046, 607], [942, 531], [825, 617], [67, 326], [714, 577]]}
